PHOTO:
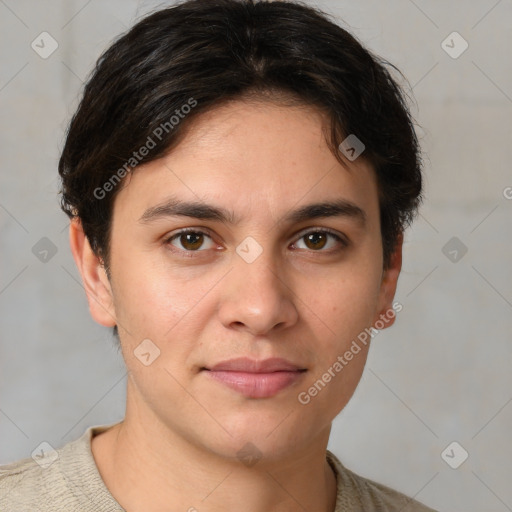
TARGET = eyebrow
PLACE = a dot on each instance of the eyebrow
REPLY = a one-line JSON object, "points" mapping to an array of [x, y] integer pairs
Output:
{"points": [[174, 207]]}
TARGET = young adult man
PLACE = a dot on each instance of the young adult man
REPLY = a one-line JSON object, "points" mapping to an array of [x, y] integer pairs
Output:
{"points": [[238, 176]]}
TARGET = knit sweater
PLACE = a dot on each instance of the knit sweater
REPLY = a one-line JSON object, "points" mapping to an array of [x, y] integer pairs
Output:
{"points": [[69, 481]]}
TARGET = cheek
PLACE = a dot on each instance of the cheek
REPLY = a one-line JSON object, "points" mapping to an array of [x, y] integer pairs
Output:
{"points": [[346, 313], [346, 304], [154, 300], [343, 311], [142, 295]]}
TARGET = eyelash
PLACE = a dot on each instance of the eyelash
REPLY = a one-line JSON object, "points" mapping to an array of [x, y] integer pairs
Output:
{"points": [[341, 240]]}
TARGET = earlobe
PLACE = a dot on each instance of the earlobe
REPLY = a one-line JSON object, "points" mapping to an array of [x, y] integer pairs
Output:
{"points": [[388, 287], [96, 283]]}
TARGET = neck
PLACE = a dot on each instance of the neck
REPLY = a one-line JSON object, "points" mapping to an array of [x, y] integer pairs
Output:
{"points": [[147, 466]]}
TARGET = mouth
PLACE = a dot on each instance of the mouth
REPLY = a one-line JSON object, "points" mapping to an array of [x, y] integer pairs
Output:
{"points": [[256, 379]]}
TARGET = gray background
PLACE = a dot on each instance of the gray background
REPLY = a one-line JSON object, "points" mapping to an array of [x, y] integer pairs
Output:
{"points": [[441, 374]]}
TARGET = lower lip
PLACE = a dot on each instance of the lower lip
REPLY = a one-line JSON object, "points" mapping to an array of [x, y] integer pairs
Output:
{"points": [[256, 385]]}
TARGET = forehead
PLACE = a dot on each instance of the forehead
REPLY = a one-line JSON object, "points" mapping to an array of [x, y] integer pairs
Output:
{"points": [[252, 157]]}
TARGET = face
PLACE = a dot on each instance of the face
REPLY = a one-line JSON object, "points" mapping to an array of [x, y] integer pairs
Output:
{"points": [[249, 270]]}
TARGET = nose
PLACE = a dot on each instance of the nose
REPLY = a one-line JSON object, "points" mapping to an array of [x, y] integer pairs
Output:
{"points": [[257, 297]]}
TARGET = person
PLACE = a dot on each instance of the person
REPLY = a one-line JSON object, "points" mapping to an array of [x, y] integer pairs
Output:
{"points": [[239, 175]]}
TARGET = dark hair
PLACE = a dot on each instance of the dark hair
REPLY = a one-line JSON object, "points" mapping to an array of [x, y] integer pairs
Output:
{"points": [[202, 53]]}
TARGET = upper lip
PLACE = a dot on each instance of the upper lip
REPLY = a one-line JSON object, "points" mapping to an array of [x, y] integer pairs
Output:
{"points": [[245, 364]]}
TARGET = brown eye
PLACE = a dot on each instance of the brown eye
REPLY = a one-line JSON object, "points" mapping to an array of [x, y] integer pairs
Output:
{"points": [[322, 239], [316, 240], [191, 241]]}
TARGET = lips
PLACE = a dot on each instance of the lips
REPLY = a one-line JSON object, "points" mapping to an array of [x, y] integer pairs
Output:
{"points": [[244, 364], [256, 379]]}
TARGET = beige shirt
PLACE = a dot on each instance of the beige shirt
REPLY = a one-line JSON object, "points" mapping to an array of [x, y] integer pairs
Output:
{"points": [[71, 482]]}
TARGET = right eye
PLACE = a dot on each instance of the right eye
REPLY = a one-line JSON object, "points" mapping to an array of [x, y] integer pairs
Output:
{"points": [[191, 240]]}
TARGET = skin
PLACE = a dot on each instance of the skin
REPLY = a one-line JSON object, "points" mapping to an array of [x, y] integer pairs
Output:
{"points": [[301, 300]]}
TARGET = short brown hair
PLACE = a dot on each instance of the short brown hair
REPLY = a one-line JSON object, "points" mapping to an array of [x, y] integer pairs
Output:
{"points": [[213, 51]]}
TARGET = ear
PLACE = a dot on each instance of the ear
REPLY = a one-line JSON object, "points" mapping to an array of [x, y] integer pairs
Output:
{"points": [[95, 280], [388, 286]]}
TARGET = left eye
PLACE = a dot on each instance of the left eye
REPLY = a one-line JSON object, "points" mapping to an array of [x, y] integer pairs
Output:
{"points": [[318, 240]]}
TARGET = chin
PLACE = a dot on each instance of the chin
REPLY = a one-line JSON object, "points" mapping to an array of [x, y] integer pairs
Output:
{"points": [[272, 434]]}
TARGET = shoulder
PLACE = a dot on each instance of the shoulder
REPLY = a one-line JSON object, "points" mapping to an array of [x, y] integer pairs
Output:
{"points": [[56, 480], [360, 493], [25, 485]]}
